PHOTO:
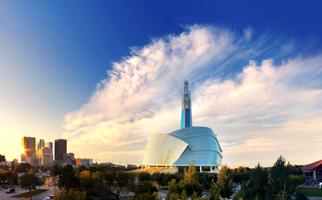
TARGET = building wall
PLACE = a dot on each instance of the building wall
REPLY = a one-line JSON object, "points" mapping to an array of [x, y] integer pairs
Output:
{"points": [[196, 145], [29, 154], [60, 149]]}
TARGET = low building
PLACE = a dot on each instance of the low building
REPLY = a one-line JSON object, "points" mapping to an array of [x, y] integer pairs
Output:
{"points": [[85, 162], [68, 159], [313, 170]]}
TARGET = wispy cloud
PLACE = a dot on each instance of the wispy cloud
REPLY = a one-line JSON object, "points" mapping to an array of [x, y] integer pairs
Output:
{"points": [[255, 106]]}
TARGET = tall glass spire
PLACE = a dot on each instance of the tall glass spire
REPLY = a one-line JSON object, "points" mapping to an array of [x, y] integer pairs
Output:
{"points": [[186, 117]]}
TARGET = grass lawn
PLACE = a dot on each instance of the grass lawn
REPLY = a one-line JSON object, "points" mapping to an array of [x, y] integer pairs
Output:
{"points": [[312, 192], [33, 193]]}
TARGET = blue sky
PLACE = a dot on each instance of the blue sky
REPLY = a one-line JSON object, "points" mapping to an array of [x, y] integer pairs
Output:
{"points": [[53, 55]]}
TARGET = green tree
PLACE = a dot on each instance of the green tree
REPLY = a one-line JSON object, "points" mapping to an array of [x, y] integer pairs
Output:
{"points": [[214, 193], [224, 183], [145, 187], [300, 195], [257, 185], [29, 181], [279, 179], [145, 196], [67, 178], [190, 175]]}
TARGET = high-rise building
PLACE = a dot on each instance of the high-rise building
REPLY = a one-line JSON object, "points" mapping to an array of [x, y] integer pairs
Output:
{"points": [[60, 149], [46, 157], [45, 153], [29, 154], [186, 115], [41, 144], [49, 145]]}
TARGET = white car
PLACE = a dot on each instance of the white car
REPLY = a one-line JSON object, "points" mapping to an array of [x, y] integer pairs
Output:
{"points": [[320, 185]]}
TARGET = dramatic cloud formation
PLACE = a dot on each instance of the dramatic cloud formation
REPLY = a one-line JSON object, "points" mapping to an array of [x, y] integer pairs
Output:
{"points": [[259, 108]]}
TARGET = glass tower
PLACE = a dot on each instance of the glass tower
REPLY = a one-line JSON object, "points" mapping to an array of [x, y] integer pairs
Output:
{"points": [[186, 117]]}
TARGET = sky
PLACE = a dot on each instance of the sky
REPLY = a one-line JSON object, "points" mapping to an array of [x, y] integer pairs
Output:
{"points": [[106, 75]]}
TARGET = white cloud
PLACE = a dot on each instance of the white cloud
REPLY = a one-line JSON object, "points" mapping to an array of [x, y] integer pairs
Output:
{"points": [[258, 109]]}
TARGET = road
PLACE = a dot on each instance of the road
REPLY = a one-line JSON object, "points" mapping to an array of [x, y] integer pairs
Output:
{"points": [[5, 196]]}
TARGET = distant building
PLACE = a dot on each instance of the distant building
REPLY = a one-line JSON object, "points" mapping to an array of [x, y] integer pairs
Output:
{"points": [[86, 162], [313, 170], [49, 145], [29, 154], [45, 153], [60, 149], [68, 159], [41, 144], [131, 167]]}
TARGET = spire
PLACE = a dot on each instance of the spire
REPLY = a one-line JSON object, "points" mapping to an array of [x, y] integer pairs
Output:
{"points": [[186, 117]]}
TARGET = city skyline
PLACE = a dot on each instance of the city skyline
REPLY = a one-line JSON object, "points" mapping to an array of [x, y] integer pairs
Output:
{"points": [[106, 78]]}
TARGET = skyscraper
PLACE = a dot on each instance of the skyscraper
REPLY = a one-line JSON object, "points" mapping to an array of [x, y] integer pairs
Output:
{"points": [[29, 154], [186, 116], [45, 153], [60, 149], [41, 144]]}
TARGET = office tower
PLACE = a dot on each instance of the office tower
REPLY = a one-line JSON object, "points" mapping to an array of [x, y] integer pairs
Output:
{"points": [[45, 153], [29, 154], [41, 144], [49, 145], [186, 115], [46, 156], [60, 149]]}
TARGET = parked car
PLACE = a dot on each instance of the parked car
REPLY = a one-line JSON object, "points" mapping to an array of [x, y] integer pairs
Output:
{"points": [[320, 185], [10, 190]]}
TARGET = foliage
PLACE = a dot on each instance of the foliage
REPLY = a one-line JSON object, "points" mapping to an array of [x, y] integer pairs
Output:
{"points": [[71, 194], [257, 185], [178, 196], [214, 193], [55, 170], [67, 178], [144, 177], [29, 181], [145, 187], [8, 177], [145, 190], [123, 179], [145, 196], [224, 184], [206, 180], [300, 195], [23, 167], [98, 176], [110, 177], [190, 175], [278, 182]]}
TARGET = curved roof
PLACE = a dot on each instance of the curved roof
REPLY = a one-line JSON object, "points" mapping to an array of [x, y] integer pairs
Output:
{"points": [[203, 147], [193, 145], [163, 150]]}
